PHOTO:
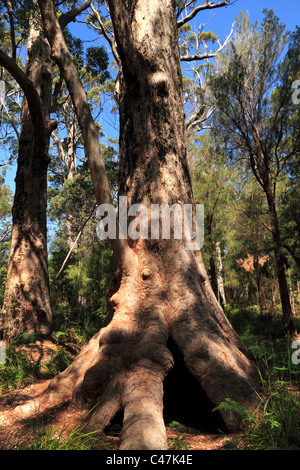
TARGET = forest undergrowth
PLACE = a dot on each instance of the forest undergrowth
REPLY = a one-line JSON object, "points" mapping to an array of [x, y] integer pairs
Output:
{"points": [[275, 424]]}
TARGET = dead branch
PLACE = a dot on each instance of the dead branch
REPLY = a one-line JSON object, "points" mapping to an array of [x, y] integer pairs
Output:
{"points": [[206, 6]]}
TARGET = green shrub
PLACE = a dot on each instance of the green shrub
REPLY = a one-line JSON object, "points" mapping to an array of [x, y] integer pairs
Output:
{"points": [[18, 369], [54, 439], [276, 422], [248, 321]]}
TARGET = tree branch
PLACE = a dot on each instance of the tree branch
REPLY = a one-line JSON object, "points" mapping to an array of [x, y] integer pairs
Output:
{"points": [[73, 246], [12, 30], [206, 6], [71, 15], [8, 162], [61, 55], [59, 147], [10, 119], [196, 120], [6, 233], [206, 55], [111, 40], [31, 94]]}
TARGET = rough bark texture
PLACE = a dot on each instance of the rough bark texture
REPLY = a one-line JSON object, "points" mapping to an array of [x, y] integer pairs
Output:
{"points": [[26, 306], [154, 168], [161, 289]]}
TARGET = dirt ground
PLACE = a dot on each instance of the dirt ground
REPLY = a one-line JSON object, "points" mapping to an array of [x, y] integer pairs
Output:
{"points": [[180, 437]]}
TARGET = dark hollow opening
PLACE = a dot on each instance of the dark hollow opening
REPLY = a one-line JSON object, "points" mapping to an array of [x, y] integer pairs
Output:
{"points": [[115, 426], [184, 399]]}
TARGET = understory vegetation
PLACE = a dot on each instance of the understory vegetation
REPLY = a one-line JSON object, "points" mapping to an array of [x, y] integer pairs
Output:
{"points": [[274, 425]]}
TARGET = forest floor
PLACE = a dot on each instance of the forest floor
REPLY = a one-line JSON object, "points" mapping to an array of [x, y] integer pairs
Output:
{"points": [[30, 434], [22, 433]]}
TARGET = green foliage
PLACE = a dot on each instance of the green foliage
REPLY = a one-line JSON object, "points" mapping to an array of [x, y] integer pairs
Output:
{"points": [[5, 200], [59, 361], [275, 425], [258, 128], [241, 69], [250, 323], [45, 438], [79, 294], [174, 424], [21, 10], [179, 442], [18, 370], [75, 46], [97, 63], [25, 362]]}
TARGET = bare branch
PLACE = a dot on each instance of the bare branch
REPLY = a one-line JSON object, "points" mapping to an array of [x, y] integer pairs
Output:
{"points": [[5, 235], [59, 146], [110, 40], [73, 246], [198, 119], [71, 15], [10, 119], [8, 162], [204, 56], [206, 6], [190, 58]]}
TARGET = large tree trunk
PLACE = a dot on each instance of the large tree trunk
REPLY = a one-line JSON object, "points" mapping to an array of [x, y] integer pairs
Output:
{"points": [[154, 169], [26, 307], [160, 290]]}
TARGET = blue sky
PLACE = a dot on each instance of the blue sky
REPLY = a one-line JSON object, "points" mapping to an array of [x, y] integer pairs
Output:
{"points": [[222, 18], [220, 23]]}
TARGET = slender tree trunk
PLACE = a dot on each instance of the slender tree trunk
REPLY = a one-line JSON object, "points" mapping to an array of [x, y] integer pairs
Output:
{"points": [[260, 288], [213, 274], [70, 157], [288, 318], [26, 307], [160, 289], [220, 281], [292, 298], [211, 254]]}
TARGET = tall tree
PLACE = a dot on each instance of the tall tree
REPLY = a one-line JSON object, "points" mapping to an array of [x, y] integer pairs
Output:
{"points": [[26, 306], [214, 186], [5, 231], [161, 289], [256, 118], [290, 208]]}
